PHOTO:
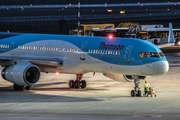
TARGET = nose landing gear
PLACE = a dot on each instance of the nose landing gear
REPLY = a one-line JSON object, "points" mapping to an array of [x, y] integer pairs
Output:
{"points": [[136, 92], [78, 83]]}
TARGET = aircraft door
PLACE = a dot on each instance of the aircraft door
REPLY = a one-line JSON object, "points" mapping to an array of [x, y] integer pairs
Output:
{"points": [[12, 48], [83, 54], [127, 58]]}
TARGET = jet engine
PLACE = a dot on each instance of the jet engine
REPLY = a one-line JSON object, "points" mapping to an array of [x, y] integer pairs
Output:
{"points": [[122, 78], [21, 74]]}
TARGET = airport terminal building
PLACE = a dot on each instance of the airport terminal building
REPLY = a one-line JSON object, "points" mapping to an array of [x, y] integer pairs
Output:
{"points": [[60, 16]]}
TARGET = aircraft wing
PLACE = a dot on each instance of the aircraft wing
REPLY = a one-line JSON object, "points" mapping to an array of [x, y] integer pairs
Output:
{"points": [[51, 63], [40, 62], [170, 38]]}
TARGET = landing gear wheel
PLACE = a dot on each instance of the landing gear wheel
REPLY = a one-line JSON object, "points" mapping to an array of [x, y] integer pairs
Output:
{"points": [[138, 93], [83, 84], [71, 84], [15, 87], [133, 93], [21, 88], [18, 87], [77, 84], [28, 87]]}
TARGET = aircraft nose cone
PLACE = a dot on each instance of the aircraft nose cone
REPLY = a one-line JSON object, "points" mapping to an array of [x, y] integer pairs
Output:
{"points": [[161, 67]]}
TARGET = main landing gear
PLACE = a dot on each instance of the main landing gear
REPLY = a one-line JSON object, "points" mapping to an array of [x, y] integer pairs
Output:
{"points": [[21, 88], [78, 83], [136, 92]]}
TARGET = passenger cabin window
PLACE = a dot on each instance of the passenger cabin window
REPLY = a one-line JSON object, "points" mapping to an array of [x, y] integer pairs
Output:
{"points": [[150, 54]]}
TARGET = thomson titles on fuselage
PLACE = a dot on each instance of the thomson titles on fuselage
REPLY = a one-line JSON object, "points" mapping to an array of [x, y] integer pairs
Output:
{"points": [[110, 46], [108, 49]]}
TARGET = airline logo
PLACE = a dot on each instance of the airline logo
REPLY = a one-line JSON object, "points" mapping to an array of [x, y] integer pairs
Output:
{"points": [[105, 46]]}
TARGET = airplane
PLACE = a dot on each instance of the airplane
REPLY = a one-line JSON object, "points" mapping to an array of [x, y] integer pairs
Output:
{"points": [[25, 56]]}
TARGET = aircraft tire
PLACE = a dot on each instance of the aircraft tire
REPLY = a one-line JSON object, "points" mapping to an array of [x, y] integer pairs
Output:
{"points": [[77, 84], [71, 84], [138, 93], [133, 93], [18, 87], [28, 87], [83, 84], [15, 87]]}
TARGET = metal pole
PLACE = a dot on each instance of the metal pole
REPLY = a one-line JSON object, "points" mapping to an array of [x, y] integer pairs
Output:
{"points": [[78, 16]]}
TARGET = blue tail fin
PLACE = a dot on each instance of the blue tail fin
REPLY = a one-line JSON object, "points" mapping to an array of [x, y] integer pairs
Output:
{"points": [[171, 36]]}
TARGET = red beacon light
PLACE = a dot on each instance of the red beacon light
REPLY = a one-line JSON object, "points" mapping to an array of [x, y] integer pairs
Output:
{"points": [[110, 36]]}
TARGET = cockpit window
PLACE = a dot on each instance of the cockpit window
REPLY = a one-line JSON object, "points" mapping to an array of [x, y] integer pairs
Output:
{"points": [[161, 54], [150, 54], [154, 54], [143, 54]]}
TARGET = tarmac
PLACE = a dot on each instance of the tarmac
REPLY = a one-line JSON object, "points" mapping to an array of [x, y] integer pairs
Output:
{"points": [[103, 99]]}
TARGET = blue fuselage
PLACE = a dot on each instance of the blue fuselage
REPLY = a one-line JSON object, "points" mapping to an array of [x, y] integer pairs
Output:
{"points": [[81, 54]]}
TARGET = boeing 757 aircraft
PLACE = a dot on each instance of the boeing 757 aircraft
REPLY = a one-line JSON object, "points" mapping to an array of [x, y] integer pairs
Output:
{"points": [[25, 56]]}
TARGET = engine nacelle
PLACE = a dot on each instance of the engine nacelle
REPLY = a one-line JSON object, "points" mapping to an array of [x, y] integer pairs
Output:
{"points": [[21, 74], [122, 78]]}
